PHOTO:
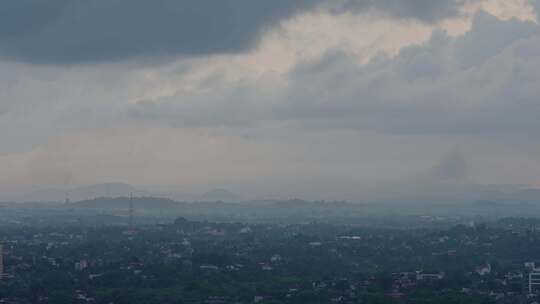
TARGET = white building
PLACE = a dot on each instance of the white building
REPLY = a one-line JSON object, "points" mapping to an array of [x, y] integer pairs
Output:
{"points": [[534, 282]]}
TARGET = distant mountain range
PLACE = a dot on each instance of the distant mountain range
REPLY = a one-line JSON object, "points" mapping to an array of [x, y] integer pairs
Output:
{"points": [[124, 190], [408, 191], [304, 210]]}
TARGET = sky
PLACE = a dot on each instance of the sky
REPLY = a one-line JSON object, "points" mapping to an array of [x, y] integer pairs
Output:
{"points": [[316, 99]]}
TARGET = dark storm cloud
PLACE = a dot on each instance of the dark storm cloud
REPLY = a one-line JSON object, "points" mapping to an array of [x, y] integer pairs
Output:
{"points": [[78, 31], [424, 10]]}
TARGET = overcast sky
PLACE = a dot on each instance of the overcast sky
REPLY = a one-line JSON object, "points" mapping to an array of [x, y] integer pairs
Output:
{"points": [[304, 98]]}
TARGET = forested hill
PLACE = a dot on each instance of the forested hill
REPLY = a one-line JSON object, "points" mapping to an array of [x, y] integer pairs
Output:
{"points": [[124, 202]]}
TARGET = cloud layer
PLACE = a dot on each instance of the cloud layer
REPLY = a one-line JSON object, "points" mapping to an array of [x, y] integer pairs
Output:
{"points": [[209, 109], [485, 82]]}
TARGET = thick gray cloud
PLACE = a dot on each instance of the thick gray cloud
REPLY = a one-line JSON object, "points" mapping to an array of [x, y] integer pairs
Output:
{"points": [[78, 31], [536, 4], [489, 37], [478, 83]]}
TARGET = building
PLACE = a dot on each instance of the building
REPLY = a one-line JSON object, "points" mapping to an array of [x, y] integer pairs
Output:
{"points": [[429, 277], [81, 265], [483, 270], [534, 282], [531, 266]]}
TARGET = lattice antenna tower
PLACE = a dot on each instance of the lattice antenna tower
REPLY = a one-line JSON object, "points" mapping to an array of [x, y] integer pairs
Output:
{"points": [[131, 211]]}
